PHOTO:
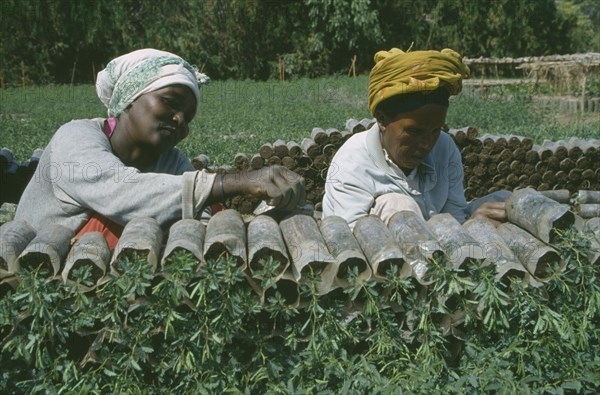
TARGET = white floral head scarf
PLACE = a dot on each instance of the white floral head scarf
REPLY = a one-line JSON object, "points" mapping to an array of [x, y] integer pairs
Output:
{"points": [[131, 75]]}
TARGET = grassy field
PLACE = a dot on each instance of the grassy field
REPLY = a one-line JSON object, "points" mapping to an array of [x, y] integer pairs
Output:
{"points": [[239, 116]]}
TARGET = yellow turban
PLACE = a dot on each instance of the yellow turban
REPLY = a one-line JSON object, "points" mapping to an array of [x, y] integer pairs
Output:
{"points": [[397, 72]]}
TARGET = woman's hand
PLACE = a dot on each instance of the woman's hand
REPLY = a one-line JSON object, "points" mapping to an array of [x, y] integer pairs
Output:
{"points": [[494, 211], [278, 185]]}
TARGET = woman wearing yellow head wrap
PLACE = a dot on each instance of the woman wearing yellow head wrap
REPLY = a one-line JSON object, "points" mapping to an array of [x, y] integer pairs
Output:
{"points": [[405, 162], [402, 73]]}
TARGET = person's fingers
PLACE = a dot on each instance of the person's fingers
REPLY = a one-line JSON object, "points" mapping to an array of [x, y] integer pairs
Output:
{"points": [[288, 193], [497, 211], [493, 215], [279, 186], [495, 205], [291, 186], [500, 215], [300, 192], [269, 188], [298, 187], [492, 210], [287, 198], [273, 195]]}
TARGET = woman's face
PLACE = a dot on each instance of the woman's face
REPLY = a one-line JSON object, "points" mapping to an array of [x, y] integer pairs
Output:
{"points": [[158, 120], [409, 136]]}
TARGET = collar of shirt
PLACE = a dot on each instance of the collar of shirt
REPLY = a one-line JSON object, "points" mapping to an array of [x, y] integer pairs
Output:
{"points": [[109, 126], [422, 179], [396, 169]]}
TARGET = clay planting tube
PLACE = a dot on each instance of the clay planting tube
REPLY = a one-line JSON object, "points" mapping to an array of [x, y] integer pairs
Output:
{"points": [[416, 240], [311, 148], [265, 241], [379, 246], [319, 136], [14, 238], [308, 251], [496, 250], [89, 250], [7, 285], [257, 162], [559, 195], [288, 162], [367, 123], [274, 161], [588, 210], [531, 252], [49, 247], [226, 235], [587, 197], [329, 150], [346, 134], [456, 242], [334, 135], [188, 235], [320, 162], [304, 161], [538, 214], [141, 236], [266, 150], [241, 161], [201, 162], [280, 148], [294, 149], [345, 249], [459, 136], [354, 126], [287, 287]]}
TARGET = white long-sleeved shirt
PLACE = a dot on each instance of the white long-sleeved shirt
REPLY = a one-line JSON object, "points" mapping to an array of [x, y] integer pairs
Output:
{"points": [[359, 173], [78, 175]]}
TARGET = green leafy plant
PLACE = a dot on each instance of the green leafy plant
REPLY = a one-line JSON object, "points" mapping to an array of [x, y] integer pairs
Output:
{"points": [[200, 328]]}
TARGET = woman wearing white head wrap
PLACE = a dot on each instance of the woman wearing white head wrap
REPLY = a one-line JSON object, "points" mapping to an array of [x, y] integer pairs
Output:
{"points": [[98, 174], [163, 89], [134, 74]]}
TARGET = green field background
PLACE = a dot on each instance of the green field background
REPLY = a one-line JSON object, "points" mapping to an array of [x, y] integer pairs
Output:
{"points": [[240, 116]]}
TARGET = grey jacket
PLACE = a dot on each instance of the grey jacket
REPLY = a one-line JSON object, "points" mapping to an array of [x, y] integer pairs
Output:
{"points": [[78, 175], [359, 173]]}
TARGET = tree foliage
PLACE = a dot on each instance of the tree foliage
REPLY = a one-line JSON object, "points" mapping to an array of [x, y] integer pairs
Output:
{"points": [[67, 41]]}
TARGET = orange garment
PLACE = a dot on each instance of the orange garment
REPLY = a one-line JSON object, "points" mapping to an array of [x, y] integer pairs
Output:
{"points": [[112, 230], [215, 208], [109, 229]]}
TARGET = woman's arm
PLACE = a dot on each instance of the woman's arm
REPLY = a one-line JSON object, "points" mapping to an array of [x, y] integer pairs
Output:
{"points": [[456, 204], [91, 176]]}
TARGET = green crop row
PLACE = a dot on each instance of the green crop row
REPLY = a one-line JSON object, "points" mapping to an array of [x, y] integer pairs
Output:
{"points": [[240, 116], [202, 329]]}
